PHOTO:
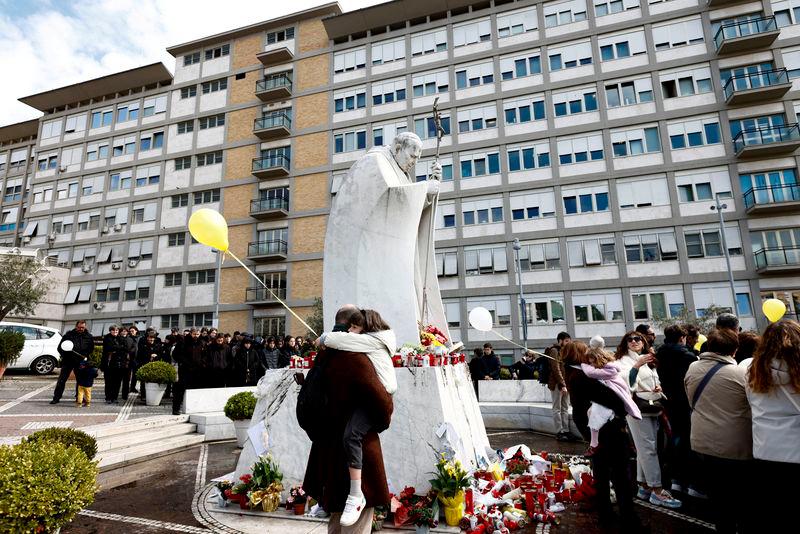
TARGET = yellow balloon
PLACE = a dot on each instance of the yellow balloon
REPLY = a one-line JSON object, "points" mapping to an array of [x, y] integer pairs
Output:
{"points": [[209, 228], [773, 309], [700, 340]]}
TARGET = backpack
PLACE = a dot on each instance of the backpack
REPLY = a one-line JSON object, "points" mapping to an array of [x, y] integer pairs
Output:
{"points": [[542, 366], [312, 400]]}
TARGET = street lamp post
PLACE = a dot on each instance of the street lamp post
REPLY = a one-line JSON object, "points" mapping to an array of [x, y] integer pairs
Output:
{"points": [[718, 208], [215, 321], [522, 308]]}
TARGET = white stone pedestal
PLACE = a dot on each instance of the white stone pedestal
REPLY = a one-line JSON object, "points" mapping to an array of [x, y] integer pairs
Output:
{"points": [[512, 391], [427, 397]]}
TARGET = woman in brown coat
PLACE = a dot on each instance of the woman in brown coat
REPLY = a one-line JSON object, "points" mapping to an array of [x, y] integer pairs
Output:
{"points": [[350, 382]]}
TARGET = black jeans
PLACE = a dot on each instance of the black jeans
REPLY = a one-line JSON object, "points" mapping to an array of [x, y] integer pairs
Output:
{"points": [[113, 382], [67, 366], [357, 427], [132, 375], [730, 485], [610, 464]]}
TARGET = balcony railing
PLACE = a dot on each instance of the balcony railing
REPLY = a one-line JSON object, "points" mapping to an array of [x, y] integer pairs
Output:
{"points": [[273, 120], [275, 165], [274, 81], [782, 258], [771, 194], [275, 247], [745, 28], [758, 80], [257, 206], [769, 135], [259, 294]]}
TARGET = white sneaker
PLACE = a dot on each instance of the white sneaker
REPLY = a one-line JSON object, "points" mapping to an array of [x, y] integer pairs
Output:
{"points": [[696, 494], [352, 510], [677, 487]]}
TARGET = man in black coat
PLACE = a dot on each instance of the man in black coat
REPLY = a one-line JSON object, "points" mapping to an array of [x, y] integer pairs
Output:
{"points": [[189, 353], [524, 368], [150, 350], [491, 363], [83, 345], [114, 363]]}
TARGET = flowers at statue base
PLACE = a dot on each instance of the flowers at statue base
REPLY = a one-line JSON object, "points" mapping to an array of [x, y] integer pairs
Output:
{"points": [[451, 478], [410, 508], [432, 336], [517, 464]]}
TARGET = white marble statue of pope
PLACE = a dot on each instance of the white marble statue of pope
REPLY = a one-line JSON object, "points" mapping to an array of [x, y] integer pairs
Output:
{"points": [[379, 241]]}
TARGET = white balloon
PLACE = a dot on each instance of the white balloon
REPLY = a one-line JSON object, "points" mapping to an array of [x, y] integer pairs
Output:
{"points": [[480, 319], [67, 345]]}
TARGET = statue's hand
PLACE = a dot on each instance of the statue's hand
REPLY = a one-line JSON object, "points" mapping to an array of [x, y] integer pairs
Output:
{"points": [[436, 173], [433, 187]]}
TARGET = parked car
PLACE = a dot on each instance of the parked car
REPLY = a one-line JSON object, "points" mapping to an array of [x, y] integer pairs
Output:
{"points": [[40, 353]]}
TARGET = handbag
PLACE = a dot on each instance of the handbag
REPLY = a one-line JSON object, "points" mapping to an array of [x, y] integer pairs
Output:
{"points": [[648, 407]]}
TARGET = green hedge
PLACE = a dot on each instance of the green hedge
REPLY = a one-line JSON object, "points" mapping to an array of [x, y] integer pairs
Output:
{"points": [[157, 372], [240, 406], [43, 485], [67, 436], [96, 356], [11, 344]]}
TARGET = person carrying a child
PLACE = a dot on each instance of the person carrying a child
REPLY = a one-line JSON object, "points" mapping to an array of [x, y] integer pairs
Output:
{"points": [[85, 375]]}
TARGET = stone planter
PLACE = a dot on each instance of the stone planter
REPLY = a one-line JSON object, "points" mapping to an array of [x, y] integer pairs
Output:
{"points": [[241, 427], [153, 393]]}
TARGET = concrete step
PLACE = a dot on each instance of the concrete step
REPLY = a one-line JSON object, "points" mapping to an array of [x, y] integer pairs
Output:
{"points": [[134, 425], [214, 425], [121, 457], [128, 439]]}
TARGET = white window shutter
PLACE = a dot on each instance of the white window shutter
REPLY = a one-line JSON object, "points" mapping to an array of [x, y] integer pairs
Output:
{"points": [[72, 295], [135, 249], [122, 215], [732, 237], [591, 249], [147, 247], [150, 212], [30, 229], [668, 243], [500, 260], [575, 249], [450, 264], [85, 294]]}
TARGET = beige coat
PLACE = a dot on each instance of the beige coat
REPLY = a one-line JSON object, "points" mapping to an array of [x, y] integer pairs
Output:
{"points": [[721, 420]]}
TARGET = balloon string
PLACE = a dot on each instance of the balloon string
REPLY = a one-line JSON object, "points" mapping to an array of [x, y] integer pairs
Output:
{"points": [[498, 334], [246, 268]]}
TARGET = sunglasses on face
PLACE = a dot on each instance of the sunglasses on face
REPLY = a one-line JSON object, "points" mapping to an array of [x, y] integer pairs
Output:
{"points": [[636, 339]]}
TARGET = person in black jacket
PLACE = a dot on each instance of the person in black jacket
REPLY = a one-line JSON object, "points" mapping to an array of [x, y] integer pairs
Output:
{"points": [[491, 363], [130, 345], [476, 369], [83, 345], [133, 333], [190, 355], [524, 368], [114, 363], [218, 356], [149, 350], [610, 462], [288, 351], [246, 367]]}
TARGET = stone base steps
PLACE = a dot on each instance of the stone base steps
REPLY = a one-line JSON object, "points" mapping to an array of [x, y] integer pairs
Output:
{"points": [[214, 425], [537, 416]]}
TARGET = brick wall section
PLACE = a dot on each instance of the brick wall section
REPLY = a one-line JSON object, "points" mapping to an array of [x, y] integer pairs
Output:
{"points": [[232, 285], [231, 321], [240, 124], [238, 237], [311, 110], [308, 234], [236, 201], [239, 162], [310, 192], [245, 50], [244, 90], [306, 279], [295, 327], [312, 35], [310, 150], [312, 72]]}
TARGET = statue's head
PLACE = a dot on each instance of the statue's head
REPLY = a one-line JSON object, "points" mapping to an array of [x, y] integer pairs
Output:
{"points": [[406, 149]]}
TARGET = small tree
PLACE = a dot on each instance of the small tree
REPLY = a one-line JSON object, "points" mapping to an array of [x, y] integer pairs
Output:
{"points": [[315, 320], [704, 323], [22, 284]]}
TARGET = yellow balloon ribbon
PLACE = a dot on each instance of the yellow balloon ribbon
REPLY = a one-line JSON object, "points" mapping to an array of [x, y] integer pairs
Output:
{"points": [[210, 228], [774, 309]]}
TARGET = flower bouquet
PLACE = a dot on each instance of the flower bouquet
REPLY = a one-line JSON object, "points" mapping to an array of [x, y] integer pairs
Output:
{"points": [[267, 486], [297, 500], [239, 492], [517, 464], [450, 482], [223, 489]]}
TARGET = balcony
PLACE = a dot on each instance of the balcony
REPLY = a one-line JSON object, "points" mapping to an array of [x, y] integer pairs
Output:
{"points": [[275, 56], [271, 166], [269, 208], [772, 199], [758, 142], [274, 87], [267, 250], [259, 295], [758, 87], [747, 35], [272, 126], [778, 260]]}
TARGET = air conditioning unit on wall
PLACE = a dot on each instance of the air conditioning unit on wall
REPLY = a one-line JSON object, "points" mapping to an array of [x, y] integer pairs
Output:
{"points": [[98, 305], [142, 302]]}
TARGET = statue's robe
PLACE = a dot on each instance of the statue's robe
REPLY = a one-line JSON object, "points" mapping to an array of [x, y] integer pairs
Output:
{"points": [[376, 247]]}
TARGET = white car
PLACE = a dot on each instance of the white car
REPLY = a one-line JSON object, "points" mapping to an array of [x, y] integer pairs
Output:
{"points": [[40, 353]]}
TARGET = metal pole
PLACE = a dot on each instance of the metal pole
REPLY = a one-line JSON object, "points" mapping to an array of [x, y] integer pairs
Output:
{"points": [[216, 289], [522, 308], [719, 207]]}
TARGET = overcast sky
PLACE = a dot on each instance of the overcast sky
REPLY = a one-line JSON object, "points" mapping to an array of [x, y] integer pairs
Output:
{"points": [[45, 44]]}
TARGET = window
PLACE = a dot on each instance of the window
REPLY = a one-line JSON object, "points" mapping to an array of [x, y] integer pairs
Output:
{"points": [[528, 157], [474, 75], [544, 309], [719, 294], [173, 279], [92, 185], [642, 193], [213, 121], [754, 124], [576, 101], [191, 59], [280, 35], [388, 91], [170, 321], [429, 42], [183, 163], [447, 263], [540, 256], [656, 304], [124, 146], [452, 311], [206, 197], [686, 82], [349, 99], [218, 52], [63, 225], [445, 215], [516, 22], [214, 86], [269, 326], [120, 180], [477, 118], [520, 66], [207, 276], [350, 60], [592, 252], [148, 175], [48, 161], [570, 56], [479, 31], [88, 221], [18, 159], [209, 158], [154, 105], [609, 7], [388, 51], [13, 190], [151, 141], [485, 260], [675, 34], [383, 134], [656, 246], [791, 60], [528, 205], [96, 151], [622, 46], [349, 141], [475, 164], [188, 92], [107, 292], [699, 185], [629, 93], [698, 132], [499, 308], [430, 83], [558, 13], [580, 149], [128, 112], [635, 142], [185, 127], [585, 199], [51, 129], [597, 306], [772, 186], [706, 242], [482, 211], [198, 320], [42, 195], [102, 118], [425, 127], [137, 289], [423, 169], [524, 109]]}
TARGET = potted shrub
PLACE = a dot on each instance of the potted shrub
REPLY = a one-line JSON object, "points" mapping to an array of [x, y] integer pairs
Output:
{"points": [[239, 409], [156, 376], [43, 484], [68, 437], [11, 344]]}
